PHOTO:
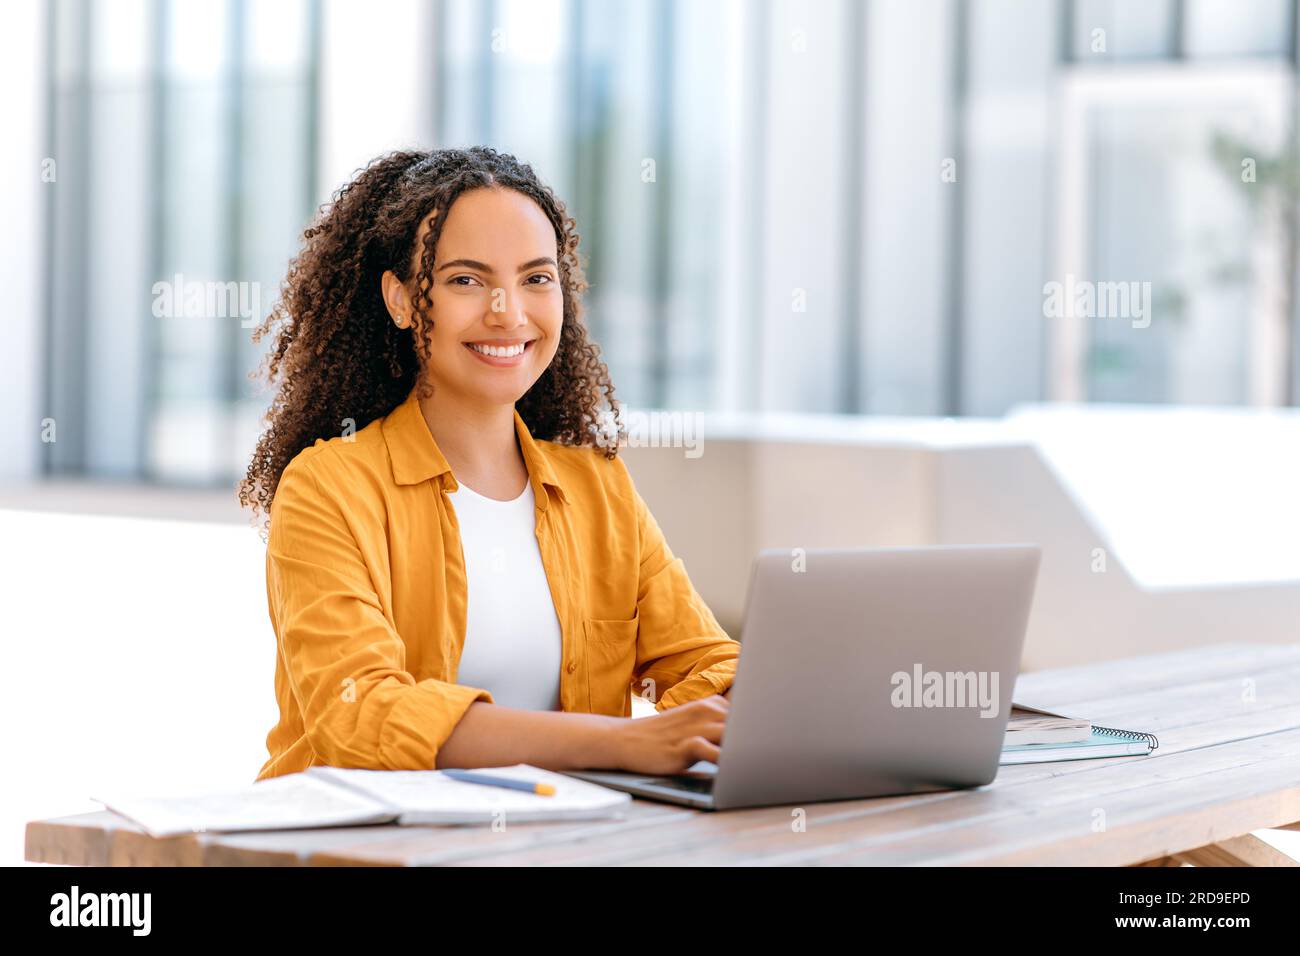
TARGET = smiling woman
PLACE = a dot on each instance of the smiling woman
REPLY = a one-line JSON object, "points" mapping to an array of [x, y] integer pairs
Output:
{"points": [[459, 571], [490, 312]]}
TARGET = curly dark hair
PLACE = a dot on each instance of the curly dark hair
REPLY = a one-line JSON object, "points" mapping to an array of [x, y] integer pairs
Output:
{"points": [[337, 355]]}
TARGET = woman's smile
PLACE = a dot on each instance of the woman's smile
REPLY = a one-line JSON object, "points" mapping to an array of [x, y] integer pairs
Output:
{"points": [[501, 353]]}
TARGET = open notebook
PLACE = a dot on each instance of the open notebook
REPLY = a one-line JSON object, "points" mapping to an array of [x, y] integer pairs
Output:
{"points": [[335, 797]]}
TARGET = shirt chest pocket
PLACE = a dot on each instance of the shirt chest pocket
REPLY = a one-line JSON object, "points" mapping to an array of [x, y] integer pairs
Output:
{"points": [[611, 660]]}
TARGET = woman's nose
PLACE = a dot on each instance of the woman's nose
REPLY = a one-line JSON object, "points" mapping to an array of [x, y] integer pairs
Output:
{"points": [[507, 311]]}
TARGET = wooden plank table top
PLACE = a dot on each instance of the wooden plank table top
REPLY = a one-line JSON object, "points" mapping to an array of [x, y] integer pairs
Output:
{"points": [[1228, 720]]}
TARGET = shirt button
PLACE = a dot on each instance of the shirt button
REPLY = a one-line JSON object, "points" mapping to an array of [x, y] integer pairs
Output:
{"points": [[572, 667]]}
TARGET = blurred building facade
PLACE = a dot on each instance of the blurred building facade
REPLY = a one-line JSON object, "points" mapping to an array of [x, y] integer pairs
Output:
{"points": [[831, 206]]}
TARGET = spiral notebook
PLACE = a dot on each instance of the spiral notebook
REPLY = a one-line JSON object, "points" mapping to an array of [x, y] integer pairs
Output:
{"points": [[1096, 743]]}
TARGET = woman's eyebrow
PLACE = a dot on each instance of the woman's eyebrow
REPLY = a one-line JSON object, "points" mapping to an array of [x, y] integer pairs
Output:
{"points": [[484, 267]]}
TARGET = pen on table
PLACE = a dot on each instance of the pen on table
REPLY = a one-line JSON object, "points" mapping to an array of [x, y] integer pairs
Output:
{"points": [[487, 779]]}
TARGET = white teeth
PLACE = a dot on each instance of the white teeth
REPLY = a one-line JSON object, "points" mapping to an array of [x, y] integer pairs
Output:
{"points": [[499, 351]]}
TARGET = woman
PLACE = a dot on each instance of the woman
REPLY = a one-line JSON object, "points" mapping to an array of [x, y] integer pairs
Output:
{"points": [[460, 572]]}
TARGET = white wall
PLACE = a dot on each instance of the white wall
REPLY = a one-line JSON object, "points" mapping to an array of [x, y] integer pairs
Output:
{"points": [[823, 481]]}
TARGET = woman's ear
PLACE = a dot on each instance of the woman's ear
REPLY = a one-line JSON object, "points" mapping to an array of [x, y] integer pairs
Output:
{"points": [[398, 300]]}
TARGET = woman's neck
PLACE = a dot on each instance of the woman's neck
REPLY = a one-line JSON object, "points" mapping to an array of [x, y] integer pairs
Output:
{"points": [[479, 443]]}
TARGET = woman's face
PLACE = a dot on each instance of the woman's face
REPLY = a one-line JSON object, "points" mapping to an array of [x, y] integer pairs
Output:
{"points": [[496, 287]]}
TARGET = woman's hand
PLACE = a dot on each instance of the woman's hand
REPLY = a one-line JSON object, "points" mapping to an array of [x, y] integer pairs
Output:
{"points": [[674, 739]]}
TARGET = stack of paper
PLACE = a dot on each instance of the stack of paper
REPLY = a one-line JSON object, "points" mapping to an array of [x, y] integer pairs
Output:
{"points": [[1029, 725]]}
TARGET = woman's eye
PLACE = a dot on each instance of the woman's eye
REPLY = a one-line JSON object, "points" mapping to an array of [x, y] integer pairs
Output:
{"points": [[455, 280], [540, 275]]}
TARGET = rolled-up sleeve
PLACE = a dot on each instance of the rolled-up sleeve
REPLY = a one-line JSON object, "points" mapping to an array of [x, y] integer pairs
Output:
{"points": [[680, 645], [344, 659]]}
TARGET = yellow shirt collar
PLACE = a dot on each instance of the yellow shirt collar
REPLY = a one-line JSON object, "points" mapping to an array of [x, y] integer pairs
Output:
{"points": [[416, 457]]}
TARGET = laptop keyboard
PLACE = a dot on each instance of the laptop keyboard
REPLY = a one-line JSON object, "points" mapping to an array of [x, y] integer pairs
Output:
{"points": [[694, 784]]}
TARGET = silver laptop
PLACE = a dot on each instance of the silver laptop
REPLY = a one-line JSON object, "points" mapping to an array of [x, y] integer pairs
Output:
{"points": [[864, 672]]}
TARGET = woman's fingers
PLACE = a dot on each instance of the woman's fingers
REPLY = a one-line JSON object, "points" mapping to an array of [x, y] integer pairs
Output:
{"points": [[700, 749]]}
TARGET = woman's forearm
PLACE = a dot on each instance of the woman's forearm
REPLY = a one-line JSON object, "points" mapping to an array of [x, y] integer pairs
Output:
{"points": [[489, 735]]}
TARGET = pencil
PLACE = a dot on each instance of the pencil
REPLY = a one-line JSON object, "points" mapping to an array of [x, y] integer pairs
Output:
{"points": [[487, 779]]}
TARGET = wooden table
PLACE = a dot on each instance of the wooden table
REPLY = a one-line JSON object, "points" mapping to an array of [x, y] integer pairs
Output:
{"points": [[1228, 719]]}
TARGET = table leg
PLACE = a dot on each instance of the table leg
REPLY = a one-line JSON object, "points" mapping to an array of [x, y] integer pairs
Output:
{"points": [[1246, 850]]}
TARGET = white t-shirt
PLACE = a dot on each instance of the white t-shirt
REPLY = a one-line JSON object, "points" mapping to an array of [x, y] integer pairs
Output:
{"points": [[512, 633]]}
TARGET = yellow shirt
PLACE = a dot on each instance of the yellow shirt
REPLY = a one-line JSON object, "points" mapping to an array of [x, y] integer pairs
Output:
{"points": [[366, 590]]}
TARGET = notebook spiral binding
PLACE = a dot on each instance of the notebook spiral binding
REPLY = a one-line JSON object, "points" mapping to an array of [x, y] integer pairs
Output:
{"points": [[1130, 735]]}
